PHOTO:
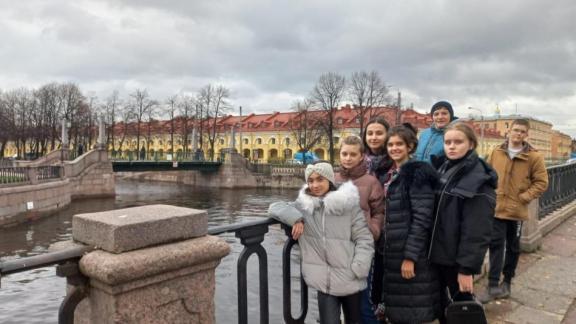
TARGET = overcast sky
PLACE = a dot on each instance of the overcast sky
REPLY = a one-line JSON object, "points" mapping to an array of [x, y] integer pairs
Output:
{"points": [[518, 54]]}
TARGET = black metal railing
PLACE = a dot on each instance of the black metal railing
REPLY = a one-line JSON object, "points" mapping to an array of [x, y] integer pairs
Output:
{"points": [[275, 169], [66, 262], [49, 172], [13, 175], [561, 188], [251, 235]]}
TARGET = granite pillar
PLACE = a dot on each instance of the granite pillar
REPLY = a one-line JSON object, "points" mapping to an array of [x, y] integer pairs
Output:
{"points": [[155, 264]]}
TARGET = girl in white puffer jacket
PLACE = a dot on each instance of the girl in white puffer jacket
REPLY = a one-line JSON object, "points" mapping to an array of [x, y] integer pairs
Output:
{"points": [[335, 242]]}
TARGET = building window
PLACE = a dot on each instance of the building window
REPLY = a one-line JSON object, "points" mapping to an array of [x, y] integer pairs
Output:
{"points": [[221, 141], [259, 141], [357, 120], [273, 141], [287, 140], [336, 139], [339, 121], [246, 141]]}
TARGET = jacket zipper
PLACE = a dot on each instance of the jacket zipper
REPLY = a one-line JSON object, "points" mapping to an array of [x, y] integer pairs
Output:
{"points": [[438, 213], [325, 248]]}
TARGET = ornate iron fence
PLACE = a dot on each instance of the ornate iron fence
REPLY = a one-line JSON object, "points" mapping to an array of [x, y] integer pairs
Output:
{"points": [[561, 188], [29, 175], [49, 172], [14, 176]]}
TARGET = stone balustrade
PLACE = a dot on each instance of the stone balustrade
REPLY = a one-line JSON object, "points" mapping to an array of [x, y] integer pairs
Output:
{"points": [[155, 264]]}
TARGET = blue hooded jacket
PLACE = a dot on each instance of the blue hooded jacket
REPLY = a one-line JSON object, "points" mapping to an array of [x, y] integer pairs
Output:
{"points": [[431, 143]]}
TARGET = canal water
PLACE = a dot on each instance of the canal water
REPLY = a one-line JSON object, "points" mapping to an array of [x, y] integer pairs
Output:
{"points": [[34, 296]]}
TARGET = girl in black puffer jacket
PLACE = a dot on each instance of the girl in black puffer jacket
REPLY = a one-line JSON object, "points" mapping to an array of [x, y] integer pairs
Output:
{"points": [[465, 209], [410, 292]]}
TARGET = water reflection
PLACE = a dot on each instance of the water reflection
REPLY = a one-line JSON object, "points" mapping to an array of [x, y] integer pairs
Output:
{"points": [[34, 296]]}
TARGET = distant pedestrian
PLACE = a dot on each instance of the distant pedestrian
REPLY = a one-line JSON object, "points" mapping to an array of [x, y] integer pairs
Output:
{"points": [[431, 142], [80, 149], [354, 168], [335, 243], [464, 211], [522, 177], [410, 290]]}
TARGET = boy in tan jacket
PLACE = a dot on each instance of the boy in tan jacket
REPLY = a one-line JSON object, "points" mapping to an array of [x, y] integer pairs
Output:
{"points": [[522, 177]]}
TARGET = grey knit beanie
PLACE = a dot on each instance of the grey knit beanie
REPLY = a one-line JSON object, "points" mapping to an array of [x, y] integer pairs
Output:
{"points": [[323, 168]]}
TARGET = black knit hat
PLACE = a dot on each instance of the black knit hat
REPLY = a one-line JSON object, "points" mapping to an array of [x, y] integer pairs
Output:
{"points": [[443, 104]]}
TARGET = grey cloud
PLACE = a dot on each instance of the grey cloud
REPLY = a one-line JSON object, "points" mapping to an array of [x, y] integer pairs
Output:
{"points": [[470, 52]]}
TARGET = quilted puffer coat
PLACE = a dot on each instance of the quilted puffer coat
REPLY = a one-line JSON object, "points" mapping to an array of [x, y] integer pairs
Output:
{"points": [[336, 245]]}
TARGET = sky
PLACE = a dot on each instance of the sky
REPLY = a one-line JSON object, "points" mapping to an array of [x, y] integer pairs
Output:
{"points": [[519, 55]]}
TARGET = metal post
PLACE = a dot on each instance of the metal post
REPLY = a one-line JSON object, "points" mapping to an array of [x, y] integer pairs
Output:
{"points": [[101, 134], [398, 112], [240, 132]]}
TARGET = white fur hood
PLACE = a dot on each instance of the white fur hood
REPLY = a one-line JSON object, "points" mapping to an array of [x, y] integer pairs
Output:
{"points": [[335, 202]]}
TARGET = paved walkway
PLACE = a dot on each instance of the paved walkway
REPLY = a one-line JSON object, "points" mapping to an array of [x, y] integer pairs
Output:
{"points": [[544, 289]]}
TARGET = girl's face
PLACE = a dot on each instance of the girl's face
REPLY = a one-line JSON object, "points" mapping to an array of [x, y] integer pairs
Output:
{"points": [[456, 144], [375, 137], [398, 150], [441, 117], [318, 185], [350, 156]]}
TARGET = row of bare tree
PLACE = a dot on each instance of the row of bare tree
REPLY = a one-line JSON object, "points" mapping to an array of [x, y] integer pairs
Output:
{"points": [[32, 118], [184, 111], [363, 89]]}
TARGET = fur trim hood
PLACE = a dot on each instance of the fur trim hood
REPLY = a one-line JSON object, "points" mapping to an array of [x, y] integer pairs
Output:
{"points": [[335, 202]]}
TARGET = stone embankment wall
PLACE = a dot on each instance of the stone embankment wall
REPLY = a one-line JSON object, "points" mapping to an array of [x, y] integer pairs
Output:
{"points": [[90, 175]]}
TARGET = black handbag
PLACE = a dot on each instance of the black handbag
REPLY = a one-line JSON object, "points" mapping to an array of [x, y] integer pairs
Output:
{"points": [[464, 308]]}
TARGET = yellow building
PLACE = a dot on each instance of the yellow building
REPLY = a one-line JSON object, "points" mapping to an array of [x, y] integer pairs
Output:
{"points": [[540, 134], [561, 146]]}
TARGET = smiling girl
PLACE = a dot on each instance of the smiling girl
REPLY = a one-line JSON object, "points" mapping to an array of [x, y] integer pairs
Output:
{"points": [[374, 139], [335, 243], [410, 287]]}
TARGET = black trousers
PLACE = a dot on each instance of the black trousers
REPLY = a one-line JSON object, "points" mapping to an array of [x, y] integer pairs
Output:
{"points": [[504, 250], [448, 277], [329, 308]]}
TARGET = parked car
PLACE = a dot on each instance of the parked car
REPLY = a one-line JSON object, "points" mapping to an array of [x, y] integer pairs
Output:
{"points": [[570, 161]]}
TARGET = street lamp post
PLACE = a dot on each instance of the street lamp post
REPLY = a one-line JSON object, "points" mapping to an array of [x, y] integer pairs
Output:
{"points": [[240, 131], [481, 126]]}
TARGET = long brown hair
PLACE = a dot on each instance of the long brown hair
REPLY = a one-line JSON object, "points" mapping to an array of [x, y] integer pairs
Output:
{"points": [[376, 120]]}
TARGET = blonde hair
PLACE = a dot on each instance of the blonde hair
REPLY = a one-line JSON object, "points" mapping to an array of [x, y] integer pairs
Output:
{"points": [[464, 128]]}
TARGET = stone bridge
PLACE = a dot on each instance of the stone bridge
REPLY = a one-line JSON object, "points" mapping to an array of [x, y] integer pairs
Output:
{"points": [[31, 189]]}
